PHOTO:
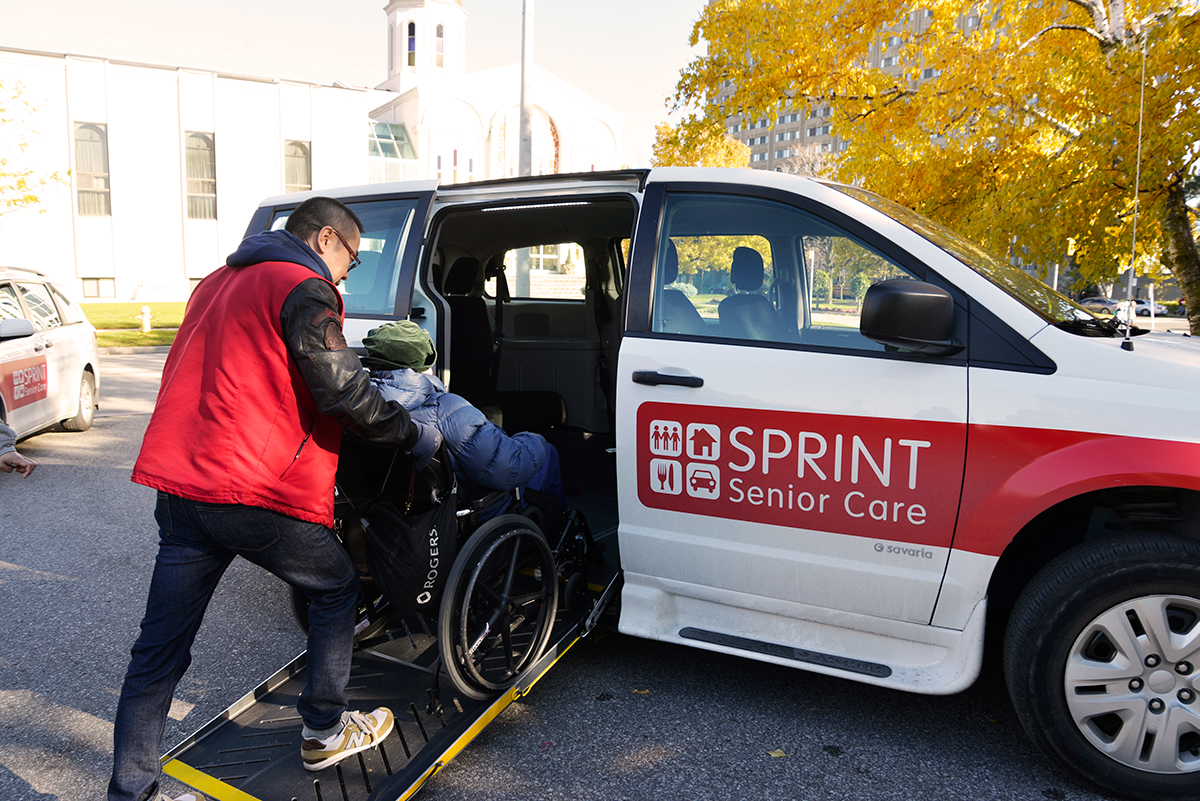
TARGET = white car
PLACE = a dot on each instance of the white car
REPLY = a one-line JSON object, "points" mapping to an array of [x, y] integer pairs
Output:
{"points": [[861, 491], [1142, 308], [49, 362]]}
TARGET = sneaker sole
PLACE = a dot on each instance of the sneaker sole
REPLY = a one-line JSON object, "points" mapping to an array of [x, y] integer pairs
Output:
{"points": [[338, 757]]}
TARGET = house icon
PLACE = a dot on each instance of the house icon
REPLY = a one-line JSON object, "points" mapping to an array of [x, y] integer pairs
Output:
{"points": [[704, 441]]}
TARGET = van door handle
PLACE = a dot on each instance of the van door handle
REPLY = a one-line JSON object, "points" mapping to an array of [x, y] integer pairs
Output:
{"points": [[654, 379]]}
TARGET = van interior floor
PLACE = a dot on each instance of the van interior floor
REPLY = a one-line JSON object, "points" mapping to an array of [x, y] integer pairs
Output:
{"points": [[589, 473]]}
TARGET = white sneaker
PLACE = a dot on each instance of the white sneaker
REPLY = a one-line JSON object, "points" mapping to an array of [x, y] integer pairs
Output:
{"points": [[359, 732]]}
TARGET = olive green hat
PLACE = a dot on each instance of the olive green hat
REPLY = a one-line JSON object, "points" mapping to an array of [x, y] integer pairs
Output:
{"points": [[396, 346]]}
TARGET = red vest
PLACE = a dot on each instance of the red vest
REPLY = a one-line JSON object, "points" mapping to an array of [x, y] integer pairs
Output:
{"points": [[234, 421]]}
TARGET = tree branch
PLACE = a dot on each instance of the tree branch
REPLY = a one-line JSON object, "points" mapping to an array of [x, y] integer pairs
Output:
{"points": [[1092, 32]]}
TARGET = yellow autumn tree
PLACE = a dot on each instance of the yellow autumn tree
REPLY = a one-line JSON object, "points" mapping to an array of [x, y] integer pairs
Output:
{"points": [[703, 144], [1015, 123], [20, 187]]}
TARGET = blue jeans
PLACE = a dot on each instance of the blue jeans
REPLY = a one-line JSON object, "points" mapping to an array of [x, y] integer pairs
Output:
{"points": [[547, 479], [197, 543]]}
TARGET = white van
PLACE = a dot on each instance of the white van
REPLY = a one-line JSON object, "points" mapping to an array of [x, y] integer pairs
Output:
{"points": [[831, 434], [49, 362]]}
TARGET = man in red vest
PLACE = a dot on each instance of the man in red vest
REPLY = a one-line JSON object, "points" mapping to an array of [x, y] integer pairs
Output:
{"points": [[242, 448]]}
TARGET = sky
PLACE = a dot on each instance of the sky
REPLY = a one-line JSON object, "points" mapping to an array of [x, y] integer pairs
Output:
{"points": [[625, 53]]}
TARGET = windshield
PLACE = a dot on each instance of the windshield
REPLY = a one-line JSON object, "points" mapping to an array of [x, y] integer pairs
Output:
{"points": [[1024, 287]]}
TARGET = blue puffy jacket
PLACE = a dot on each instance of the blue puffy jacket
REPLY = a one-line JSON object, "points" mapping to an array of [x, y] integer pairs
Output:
{"points": [[480, 451]]}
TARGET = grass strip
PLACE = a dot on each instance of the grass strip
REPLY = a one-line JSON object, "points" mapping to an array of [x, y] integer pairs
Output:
{"points": [[125, 315]]}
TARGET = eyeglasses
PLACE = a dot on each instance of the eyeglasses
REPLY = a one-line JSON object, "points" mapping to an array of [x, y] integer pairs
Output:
{"points": [[354, 260]]}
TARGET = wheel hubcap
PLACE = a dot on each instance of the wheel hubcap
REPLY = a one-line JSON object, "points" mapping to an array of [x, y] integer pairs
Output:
{"points": [[1128, 684]]}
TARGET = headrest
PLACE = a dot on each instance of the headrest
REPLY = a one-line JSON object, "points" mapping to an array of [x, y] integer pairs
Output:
{"points": [[670, 268], [461, 278], [746, 272]]}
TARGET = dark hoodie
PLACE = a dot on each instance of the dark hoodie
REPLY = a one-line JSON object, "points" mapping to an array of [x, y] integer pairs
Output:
{"points": [[278, 246]]}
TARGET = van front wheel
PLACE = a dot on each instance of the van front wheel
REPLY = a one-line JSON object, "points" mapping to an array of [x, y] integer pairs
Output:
{"points": [[1102, 659]]}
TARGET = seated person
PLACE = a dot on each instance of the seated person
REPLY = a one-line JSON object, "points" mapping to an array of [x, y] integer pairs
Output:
{"points": [[399, 356]]}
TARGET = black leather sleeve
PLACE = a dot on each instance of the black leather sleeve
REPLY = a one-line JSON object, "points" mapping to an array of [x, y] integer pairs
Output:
{"points": [[312, 330]]}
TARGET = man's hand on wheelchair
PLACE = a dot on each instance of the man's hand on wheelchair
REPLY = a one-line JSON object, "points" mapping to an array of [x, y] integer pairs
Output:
{"points": [[429, 439]]}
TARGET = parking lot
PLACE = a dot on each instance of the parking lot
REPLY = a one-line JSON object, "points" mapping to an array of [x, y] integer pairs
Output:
{"points": [[616, 718]]}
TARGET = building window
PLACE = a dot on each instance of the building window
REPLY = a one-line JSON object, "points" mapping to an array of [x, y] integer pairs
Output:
{"points": [[758, 156], [470, 169], [786, 118], [929, 72], [391, 48], [972, 22], [843, 145], [820, 130], [440, 46], [99, 288], [412, 44], [297, 166], [783, 154], [201, 176], [889, 61], [91, 169], [389, 140], [439, 168]]}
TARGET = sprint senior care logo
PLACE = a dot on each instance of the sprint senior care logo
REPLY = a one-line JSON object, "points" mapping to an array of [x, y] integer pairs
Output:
{"points": [[882, 478], [24, 382]]}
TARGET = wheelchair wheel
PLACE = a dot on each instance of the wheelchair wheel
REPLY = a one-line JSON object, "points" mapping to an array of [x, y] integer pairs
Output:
{"points": [[498, 606], [370, 621]]}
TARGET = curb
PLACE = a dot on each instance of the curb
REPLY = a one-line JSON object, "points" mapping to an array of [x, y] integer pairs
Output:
{"points": [[127, 350]]}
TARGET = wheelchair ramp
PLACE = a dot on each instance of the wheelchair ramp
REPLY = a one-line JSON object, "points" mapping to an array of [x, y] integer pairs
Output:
{"points": [[251, 752]]}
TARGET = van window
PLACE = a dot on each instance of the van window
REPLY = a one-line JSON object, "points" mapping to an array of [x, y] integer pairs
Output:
{"points": [[543, 272], [372, 285], [10, 307], [41, 307], [740, 267]]}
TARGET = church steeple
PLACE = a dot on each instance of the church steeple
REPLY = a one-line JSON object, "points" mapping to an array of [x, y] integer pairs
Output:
{"points": [[426, 40]]}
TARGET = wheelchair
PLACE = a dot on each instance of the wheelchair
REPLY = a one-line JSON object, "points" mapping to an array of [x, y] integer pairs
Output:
{"points": [[501, 596]]}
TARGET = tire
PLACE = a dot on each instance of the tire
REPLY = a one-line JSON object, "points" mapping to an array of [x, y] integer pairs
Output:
{"points": [[86, 411], [498, 606], [1102, 660]]}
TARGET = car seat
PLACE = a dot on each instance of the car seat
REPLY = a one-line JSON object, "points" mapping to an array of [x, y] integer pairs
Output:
{"points": [[750, 314], [676, 314]]}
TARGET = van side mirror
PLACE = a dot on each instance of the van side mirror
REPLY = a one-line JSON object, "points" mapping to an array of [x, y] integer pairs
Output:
{"points": [[910, 315], [15, 329]]}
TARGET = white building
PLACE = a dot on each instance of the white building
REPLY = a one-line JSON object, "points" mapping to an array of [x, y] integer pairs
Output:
{"points": [[167, 164], [466, 126]]}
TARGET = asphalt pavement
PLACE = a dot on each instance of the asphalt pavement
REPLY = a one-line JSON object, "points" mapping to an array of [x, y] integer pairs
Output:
{"points": [[617, 718]]}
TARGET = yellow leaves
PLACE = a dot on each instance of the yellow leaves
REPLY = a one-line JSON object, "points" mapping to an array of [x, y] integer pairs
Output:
{"points": [[697, 142], [1037, 142], [641, 692], [777, 753]]}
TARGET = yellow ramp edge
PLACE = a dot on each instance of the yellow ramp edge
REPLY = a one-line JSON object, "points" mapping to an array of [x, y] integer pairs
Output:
{"points": [[201, 781], [498, 706]]}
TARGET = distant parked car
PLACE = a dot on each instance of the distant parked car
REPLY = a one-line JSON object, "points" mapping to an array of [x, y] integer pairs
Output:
{"points": [[1100, 305], [1141, 308], [48, 357]]}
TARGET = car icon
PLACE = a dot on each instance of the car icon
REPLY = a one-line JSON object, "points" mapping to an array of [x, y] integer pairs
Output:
{"points": [[703, 479]]}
